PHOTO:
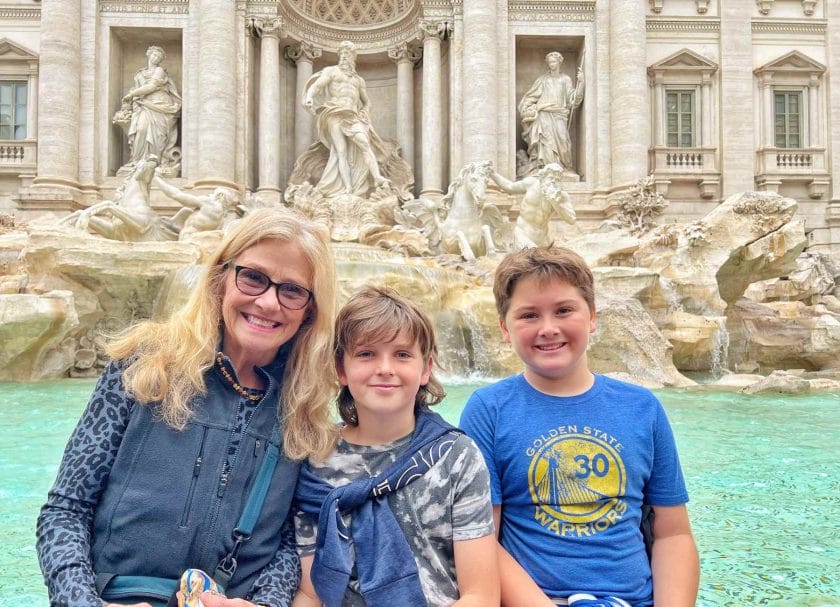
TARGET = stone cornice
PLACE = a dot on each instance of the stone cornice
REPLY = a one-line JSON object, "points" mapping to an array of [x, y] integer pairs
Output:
{"points": [[691, 25], [171, 7], [811, 26], [551, 10], [20, 14]]}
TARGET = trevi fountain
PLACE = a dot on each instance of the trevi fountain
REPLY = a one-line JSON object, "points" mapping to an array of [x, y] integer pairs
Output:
{"points": [[731, 295]]}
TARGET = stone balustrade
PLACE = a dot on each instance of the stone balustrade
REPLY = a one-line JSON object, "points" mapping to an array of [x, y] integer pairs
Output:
{"points": [[18, 156]]}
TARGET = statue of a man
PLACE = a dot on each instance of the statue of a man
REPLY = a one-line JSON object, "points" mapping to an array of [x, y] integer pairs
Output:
{"points": [[338, 96], [546, 110], [150, 113], [543, 199], [201, 213]]}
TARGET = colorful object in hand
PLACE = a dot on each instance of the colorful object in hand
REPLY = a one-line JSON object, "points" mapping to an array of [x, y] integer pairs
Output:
{"points": [[193, 583]]}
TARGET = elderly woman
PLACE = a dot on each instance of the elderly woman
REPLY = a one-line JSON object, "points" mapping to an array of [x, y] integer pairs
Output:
{"points": [[171, 465]]}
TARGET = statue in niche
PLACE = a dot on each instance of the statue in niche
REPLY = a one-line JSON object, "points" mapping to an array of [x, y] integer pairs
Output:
{"points": [[149, 115], [349, 157], [201, 213], [546, 112], [543, 199], [350, 179], [338, 97], [129, 216]]}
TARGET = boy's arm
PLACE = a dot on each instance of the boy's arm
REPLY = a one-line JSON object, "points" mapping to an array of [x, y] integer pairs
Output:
{"points": [[674, 562], [518, 589], [477, 572], [306, 596]]}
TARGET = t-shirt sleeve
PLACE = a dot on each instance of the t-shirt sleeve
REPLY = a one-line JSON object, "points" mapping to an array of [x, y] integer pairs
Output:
{"points": [[472, 513], [306, 532], [480, 425], [666, 486]]}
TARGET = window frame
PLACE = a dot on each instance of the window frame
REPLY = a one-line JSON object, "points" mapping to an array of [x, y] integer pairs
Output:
{"points": [[15, 120], [801, 118], [693, 119]]}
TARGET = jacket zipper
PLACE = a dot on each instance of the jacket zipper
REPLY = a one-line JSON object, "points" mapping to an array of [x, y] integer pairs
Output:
{"points": [[199, 458]]}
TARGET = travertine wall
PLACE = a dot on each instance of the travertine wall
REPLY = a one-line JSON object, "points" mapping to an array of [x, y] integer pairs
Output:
{"points": [[241, 123]]}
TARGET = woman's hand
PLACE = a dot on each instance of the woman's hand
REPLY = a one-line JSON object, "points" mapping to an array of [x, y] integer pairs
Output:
{"points": [[212, 599]]}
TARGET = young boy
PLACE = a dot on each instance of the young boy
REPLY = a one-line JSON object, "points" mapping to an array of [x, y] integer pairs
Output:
{"points": [[573, 456], [399, 514]]}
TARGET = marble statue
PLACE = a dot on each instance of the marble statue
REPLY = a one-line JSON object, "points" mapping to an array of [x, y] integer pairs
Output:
{"points": [[338, 97], [546, 112], [149, 115], [543, 198], [464, 222], [201, 213], [129, 216]]}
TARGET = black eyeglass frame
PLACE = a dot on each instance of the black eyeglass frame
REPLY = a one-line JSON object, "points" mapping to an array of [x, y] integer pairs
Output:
{"points": [[270, 283]]}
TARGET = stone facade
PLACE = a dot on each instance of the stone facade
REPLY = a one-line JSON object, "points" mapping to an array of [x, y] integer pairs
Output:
{"points": [[710, 97]]}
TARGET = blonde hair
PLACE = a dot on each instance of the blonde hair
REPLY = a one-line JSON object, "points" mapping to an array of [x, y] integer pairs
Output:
{"points": [[167, 360], [378, 314], [544, 263]]}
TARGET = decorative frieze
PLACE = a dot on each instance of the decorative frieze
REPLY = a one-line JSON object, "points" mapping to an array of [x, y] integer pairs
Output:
{"points": [[353, 12], [20, 14], [690, 25], [551, 10], [172, 7], [789, 27]]}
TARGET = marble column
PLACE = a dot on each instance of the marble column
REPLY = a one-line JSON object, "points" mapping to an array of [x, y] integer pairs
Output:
{"points": [[405, 58], [832, 145], [432, 33], [659, 110], [706, 111], [303, 54], [814, 112], [456, 61], [479, 81], [765, 85], [269, 111], [736, 82], [58, 94], [629, 113], [217, 95]]}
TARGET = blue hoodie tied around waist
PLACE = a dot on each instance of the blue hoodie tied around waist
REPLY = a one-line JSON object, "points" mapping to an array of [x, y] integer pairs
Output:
{"points": [[384, 561]]}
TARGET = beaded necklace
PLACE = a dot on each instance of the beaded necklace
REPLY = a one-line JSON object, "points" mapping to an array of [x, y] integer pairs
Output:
{"points": [[253, 395]]}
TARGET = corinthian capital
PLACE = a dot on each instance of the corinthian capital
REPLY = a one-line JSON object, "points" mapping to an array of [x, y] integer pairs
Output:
{"points": [[259, 26], [437, 28], [403, 52], [302, 51]]}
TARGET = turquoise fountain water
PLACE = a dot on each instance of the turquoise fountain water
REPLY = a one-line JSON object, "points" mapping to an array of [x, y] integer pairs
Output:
{"points": [[761, 470]]}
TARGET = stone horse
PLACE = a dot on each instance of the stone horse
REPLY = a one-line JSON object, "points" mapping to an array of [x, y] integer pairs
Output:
{"points": [[466, 230], [129, 216]]}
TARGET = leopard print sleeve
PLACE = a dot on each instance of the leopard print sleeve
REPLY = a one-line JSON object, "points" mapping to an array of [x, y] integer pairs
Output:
{"points": [[277, 583], [64, 524]]}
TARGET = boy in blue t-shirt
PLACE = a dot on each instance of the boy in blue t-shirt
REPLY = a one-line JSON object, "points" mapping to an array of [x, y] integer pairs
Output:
{"points": [[573, 456]]}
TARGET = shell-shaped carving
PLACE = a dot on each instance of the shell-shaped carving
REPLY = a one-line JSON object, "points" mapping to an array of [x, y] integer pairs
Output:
{"points": [[354, 12]]}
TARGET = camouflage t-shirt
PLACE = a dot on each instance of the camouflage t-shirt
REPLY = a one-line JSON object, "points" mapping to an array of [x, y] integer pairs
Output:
{"points": [[451, 502]]}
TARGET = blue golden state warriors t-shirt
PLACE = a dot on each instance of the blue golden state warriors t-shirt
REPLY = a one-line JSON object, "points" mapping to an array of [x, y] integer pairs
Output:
{"points": [[571, 475]]}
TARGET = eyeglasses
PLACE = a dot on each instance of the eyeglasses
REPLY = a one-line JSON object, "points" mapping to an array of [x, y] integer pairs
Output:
{"points": [[253, 282]]}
